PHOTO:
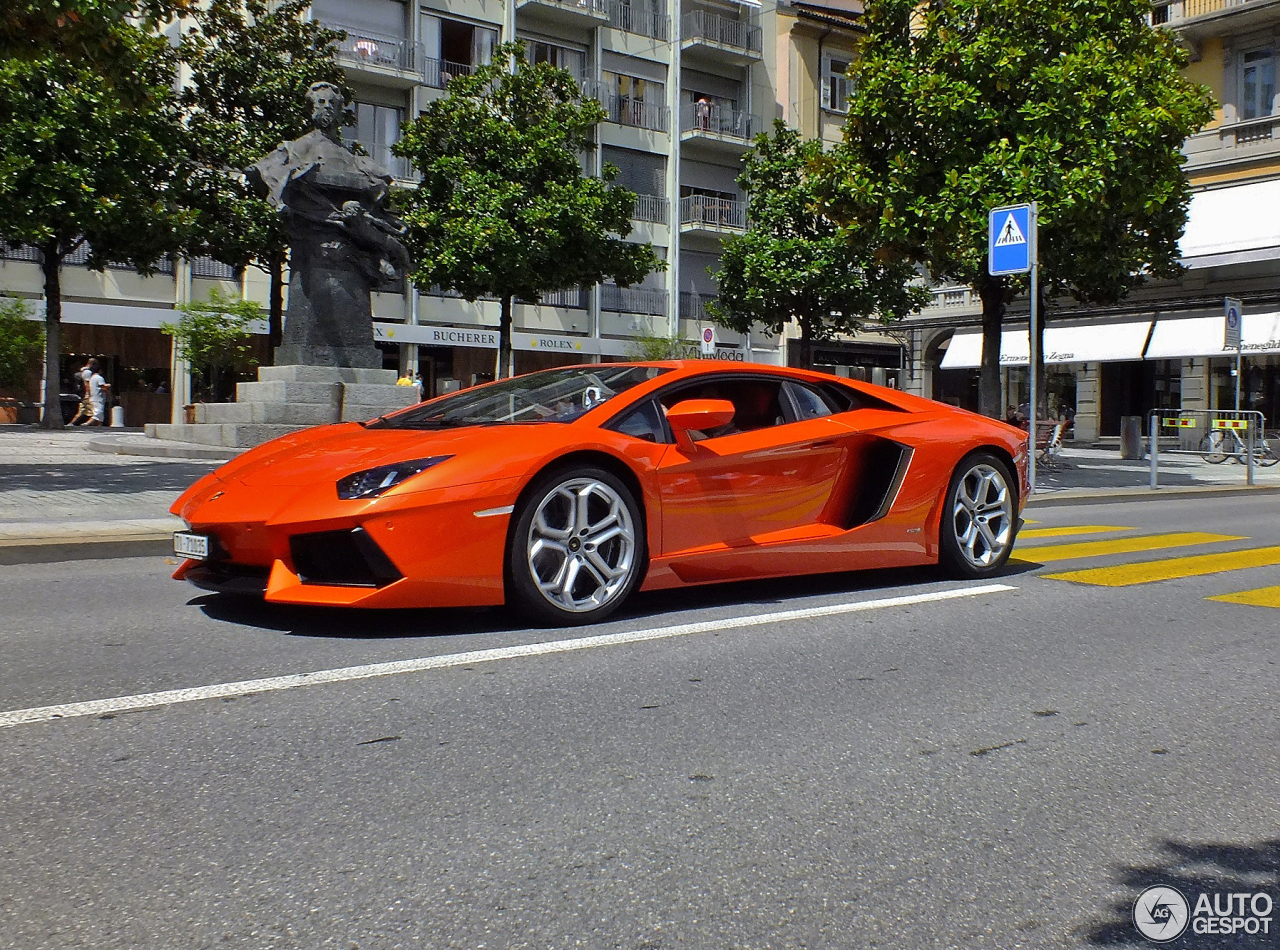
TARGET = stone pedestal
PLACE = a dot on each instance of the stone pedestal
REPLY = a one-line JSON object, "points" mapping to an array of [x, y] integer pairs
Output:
{"points": [[288, 398]]}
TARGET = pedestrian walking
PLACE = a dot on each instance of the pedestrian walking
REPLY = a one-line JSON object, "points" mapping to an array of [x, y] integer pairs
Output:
{"points": [[85, 411], [99, 392]]}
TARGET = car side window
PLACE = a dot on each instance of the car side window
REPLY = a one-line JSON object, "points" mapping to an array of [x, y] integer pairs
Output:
{"points": [[757, 403], [809, 403], [643, 422]]}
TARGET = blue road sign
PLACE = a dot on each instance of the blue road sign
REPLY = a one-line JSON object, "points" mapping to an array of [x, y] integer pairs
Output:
{"points": [[1010, 240]]}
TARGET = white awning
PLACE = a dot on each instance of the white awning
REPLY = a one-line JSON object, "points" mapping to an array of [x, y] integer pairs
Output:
{"points": [[1203, 336], [1091, 343], [1232, 225]]}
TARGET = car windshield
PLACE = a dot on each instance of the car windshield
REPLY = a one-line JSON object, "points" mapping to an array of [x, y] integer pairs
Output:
{"points": [[554, 395]]}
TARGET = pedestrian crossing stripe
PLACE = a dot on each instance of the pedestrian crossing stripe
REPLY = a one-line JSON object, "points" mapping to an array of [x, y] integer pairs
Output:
{"points": [[1010, 233], [1036, 533], [1262, 597], [1152, 542], [1147, 572]]}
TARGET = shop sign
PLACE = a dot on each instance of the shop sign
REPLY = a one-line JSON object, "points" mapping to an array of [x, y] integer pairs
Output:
{"points": [[550, 343], [436, 336]]}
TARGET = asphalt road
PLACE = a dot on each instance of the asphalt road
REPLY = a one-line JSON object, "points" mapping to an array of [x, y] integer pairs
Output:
{"points": [[1003, 770]]}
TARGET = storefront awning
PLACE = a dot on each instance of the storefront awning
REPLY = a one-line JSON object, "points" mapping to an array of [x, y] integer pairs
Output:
{"points": [[1092, 343], [1226, 226], [1203, 336]]}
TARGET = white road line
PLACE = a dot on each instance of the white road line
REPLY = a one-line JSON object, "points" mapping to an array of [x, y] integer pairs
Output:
{"points": [[98, 707]]}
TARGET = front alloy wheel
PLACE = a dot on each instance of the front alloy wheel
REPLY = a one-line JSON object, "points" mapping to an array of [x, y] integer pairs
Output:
{"points": [[978, 522], [578, 547]]}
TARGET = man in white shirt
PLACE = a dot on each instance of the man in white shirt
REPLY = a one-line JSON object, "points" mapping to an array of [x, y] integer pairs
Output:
{"points": [[85, 412], [99, 390]]}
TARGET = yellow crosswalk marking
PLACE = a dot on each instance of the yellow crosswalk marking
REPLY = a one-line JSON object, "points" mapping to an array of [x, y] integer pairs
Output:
{"points": [[1145, 572], [1148, 542], [1262, 597], [1067, 532]]}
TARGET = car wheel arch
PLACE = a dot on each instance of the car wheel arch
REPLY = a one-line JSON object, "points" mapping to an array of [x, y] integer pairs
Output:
{"points": [[583, 458]]}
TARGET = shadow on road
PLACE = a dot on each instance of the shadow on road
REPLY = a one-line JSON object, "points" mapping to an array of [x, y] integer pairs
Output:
{"points": [[642, 610], [1194, 869]]}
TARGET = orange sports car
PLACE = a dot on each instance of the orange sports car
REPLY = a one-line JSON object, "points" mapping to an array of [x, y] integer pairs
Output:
{"points": [[563, 491]]}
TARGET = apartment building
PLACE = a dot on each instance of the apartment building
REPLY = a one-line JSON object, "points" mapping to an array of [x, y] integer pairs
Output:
{"points": [[1163, 347]]}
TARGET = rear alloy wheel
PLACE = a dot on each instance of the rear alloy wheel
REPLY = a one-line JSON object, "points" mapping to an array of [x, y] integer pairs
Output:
{"points": [[577, 550], [978, 520]]}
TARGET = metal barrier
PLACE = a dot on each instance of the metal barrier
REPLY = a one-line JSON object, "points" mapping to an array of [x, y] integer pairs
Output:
{"points": [[1213, 434]]}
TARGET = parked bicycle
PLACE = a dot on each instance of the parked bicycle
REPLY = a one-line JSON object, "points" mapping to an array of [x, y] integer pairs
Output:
{"points": [[1218, 445]]}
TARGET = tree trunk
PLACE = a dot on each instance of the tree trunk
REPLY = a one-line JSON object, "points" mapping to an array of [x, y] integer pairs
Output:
{"points": [[504, 338], [991, 290], [275, 312], [806, 345], [51, 264]]}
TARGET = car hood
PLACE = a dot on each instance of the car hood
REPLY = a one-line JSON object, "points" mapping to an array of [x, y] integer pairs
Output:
{"points": [[332, 452]]}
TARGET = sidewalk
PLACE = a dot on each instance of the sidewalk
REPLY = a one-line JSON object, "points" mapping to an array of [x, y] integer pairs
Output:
{"points": [[63, 498]]}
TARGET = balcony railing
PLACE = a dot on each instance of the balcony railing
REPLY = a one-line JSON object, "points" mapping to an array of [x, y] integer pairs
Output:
{"points": [[1235, 141], [951, 297], [209, 268], [20, 252], [1172, 12], [624, 110], [714, 28], [693, 306], [588, 7], [714, 213], [646, 300], [714, 119], [362, 48], [638, 18], [575, 298], [437, 72], [650, 208]]}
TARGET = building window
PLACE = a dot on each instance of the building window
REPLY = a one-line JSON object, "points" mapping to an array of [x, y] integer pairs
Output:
{"points": [[573, 61], [454, 48], [835, 86], [377, 129], [1257, 83], [634, 101]]}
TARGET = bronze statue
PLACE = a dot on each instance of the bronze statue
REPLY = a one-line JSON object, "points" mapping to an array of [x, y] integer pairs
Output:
{"points": [[343, 240]]}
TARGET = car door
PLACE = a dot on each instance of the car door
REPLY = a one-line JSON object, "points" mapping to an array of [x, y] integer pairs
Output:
{"points": [[770, 476]]}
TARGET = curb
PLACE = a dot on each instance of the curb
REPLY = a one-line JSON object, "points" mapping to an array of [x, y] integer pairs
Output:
{"points": [[157, 448], [1110, 496], [49, 552]]}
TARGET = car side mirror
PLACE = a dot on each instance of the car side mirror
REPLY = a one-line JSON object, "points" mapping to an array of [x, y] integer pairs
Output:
{"points": [[698, 415]]}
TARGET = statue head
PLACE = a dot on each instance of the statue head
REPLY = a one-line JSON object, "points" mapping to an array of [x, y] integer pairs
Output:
{"points": [[327, 103]]}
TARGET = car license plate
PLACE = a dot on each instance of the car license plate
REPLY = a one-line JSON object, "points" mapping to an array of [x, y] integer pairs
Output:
{"points": [[195, 546]]}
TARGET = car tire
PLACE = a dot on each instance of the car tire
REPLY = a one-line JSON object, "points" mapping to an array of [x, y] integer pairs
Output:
{"points": [[979, 521], [577, 549]]}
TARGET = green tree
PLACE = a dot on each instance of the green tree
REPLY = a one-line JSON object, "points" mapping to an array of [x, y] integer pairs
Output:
{"points": [[251, 63], [21, 343], [796, 264], [87, 158], [963, 105], [648, 349], [213, 336], [504, 208]]}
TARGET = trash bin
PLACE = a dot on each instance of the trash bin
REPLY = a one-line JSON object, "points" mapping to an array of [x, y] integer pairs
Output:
{"points": [[1131, 442], [117, 417]]}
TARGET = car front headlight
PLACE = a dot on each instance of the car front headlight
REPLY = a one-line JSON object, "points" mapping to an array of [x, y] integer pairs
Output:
{"points": [[372, 482]]}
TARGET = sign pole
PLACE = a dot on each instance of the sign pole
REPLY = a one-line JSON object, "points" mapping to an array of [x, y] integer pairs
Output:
{"points": [[1032, 353], [1011, 249], [1234, 335]]}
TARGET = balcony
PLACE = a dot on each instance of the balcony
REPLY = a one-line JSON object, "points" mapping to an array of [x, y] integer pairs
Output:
{"points": [[624, 110], [650, 208], [437, 73], [642, 300], [717, 127], [575, 14], [715, 38], [1197, 19], [693, 306], [712, 216], [1236, 143], [641, 19], [374, 54]]}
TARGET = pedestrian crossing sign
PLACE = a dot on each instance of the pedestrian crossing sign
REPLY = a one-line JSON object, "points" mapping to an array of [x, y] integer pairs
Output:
{"points": [[1011, 233]]}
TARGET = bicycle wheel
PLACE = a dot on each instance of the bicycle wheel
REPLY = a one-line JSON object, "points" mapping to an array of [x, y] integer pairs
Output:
{"points": [[1212, 447], [1264, 454]]}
